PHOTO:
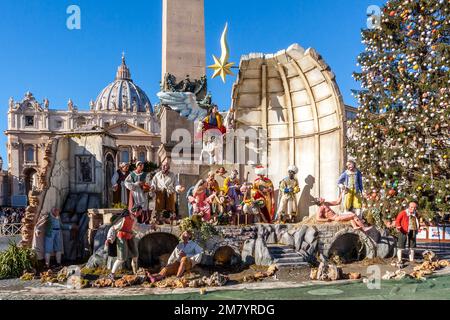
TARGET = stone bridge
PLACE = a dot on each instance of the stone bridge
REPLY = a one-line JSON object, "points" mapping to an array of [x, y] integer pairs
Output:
{"points": [[252, 244]]}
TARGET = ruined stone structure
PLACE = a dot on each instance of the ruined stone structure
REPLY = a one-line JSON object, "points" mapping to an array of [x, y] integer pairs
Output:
{"points": [[37, 196], [262, 244], [122, 109], [73, 177]]}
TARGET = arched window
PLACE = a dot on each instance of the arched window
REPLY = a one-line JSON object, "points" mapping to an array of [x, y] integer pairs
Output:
{"points": [[142, 156], [81, 121], [29, 154], [29, 121], [125, 156]]}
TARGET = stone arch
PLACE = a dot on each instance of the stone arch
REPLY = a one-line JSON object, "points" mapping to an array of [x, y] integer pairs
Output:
{"points": [[155, 248], [81, 121], [30, 179], [293, 97], [226, 256], [345, 240], [225, 253]]}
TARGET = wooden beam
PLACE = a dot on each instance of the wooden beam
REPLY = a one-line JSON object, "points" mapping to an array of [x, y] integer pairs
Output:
{"points": [[313, 104], [288, 102]]}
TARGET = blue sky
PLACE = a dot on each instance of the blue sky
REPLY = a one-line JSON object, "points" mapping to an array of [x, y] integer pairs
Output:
{"points": [[38, 53]]}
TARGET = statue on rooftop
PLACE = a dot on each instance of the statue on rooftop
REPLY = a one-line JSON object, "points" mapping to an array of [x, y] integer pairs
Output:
{"points": [[11, 103], [70, 105]]}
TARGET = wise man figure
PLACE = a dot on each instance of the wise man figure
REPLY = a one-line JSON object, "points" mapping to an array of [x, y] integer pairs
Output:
{"points": [[136, 182], [213, 185], [265, 185], [121, 193], [253, 204], [288, 196], [165, 184], [231, 187], [351, 183]]}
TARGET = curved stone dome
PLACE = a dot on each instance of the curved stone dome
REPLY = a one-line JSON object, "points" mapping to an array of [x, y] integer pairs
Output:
{"points": [[294, 98], [123, 94]]}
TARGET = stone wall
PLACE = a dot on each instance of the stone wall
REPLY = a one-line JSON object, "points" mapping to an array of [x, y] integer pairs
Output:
{"points": [[58, 188], [54, 188], [36, 197], [329, 233], [252, 244], [86, 146], [377, 243], [58, 181]]}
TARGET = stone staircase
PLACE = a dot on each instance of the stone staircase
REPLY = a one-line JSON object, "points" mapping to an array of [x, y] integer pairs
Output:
{"points": [[285, 256]]}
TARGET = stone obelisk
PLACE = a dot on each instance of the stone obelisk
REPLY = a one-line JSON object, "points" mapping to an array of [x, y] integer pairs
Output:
{"points": [[183, 39]]}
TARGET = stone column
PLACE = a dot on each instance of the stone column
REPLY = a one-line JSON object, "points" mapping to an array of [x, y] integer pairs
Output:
{"points": [[10, 120], [71, 122], [183, 45], [36, 150], [14, 166], [134, 153], [149, 153]]}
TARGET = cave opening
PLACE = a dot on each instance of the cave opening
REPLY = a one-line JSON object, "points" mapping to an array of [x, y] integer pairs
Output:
{"points": [[348, 247], [155, 250]]}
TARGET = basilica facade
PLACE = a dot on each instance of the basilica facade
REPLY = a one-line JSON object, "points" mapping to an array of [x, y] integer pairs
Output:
{"points": [[122, 110]]}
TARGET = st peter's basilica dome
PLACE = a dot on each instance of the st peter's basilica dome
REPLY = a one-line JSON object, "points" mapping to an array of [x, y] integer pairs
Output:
{"points": [[122, 94]]}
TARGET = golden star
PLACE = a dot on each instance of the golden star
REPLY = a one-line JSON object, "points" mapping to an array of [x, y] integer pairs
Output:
{"points": [[221, 68]]}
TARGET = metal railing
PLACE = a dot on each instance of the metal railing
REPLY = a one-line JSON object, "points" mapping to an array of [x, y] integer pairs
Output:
{"points": [[10, 229]]}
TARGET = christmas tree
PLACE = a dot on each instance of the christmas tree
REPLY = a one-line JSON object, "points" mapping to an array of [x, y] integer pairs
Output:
{"points": [[401, 135]]}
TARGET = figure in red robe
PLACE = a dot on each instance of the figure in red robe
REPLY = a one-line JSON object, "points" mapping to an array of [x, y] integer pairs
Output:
{"points": [[214, 120]]}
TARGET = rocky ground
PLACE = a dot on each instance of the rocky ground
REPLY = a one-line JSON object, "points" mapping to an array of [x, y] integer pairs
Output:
{"points": [[252, 277]]}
